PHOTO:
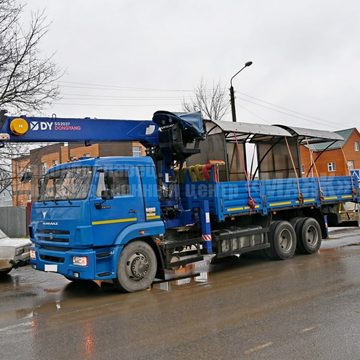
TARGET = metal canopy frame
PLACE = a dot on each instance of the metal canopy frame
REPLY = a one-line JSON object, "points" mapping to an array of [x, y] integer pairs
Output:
{"points": [[262, 132], [312, 136], [271, 135], [244, 132]]}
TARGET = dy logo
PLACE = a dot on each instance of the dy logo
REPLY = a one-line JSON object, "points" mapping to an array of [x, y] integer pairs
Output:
{"points": [[40, 125]]}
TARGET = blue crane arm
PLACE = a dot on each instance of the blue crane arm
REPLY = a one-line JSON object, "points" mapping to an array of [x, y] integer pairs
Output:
{"points": [[45, 129]]}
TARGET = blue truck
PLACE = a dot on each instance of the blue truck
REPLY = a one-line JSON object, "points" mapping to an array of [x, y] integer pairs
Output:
{"points": [[129, 220]]}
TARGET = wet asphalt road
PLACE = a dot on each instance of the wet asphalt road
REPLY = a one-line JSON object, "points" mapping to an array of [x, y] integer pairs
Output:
{"points": [[305, 308]]}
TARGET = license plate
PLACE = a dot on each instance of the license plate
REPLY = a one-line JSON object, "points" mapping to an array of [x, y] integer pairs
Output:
{"points": [[51, 267]]}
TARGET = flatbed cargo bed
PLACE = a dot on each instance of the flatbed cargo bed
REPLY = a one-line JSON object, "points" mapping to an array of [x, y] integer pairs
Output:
{"points": [[232, 198]]}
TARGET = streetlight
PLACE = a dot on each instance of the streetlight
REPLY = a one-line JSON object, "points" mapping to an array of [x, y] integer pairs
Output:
{"points": [[232, 96]]}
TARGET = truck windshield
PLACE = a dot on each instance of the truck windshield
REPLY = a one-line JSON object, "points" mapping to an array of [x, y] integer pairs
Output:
{"points": [[66, 184]]}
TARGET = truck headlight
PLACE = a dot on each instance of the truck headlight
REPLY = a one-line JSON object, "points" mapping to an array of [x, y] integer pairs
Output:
{"points": [[32, 254], [80, 260]]}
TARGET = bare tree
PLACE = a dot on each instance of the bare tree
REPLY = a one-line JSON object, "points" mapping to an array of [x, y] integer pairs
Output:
{"points": [[213, 103], [28, 81], [8, 152]]}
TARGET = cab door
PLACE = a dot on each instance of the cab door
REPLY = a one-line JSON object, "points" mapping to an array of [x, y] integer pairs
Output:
{"points": [[125, 207]]}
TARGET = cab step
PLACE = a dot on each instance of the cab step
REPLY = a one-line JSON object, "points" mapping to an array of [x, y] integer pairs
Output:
{"points": [[181, 252]]}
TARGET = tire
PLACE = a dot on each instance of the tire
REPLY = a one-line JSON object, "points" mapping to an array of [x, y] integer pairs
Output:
{"points": [[282, 239], [136, 268], [296, 223], [267, 253], [309, 236]]}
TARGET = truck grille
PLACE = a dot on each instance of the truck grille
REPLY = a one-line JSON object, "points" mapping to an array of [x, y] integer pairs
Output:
{"points": [[54, 235], [57, 259]]}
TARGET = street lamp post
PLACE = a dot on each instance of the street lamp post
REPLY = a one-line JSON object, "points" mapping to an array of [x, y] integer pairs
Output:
{"points": [[232, 96]]}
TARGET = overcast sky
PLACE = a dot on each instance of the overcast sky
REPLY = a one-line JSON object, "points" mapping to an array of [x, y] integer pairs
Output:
{"points": [[127, 59]]}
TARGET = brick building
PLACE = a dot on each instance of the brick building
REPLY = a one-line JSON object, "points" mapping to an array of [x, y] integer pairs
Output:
{"points": [[21, 187], [28, 170], [337, 159]]}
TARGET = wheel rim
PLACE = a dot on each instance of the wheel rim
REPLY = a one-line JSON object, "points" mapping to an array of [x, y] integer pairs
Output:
{"points": [[137, 266], [311, 236], [286, 240]]}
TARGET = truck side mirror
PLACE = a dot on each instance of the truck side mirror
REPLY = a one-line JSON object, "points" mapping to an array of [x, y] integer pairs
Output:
{"points": [[106, 195]]}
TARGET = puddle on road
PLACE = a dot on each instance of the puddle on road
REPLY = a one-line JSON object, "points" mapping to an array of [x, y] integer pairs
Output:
{"points": [[191, 273], [328, 250], [354, 244], [18, 314], [52, 291], [54, 295]]}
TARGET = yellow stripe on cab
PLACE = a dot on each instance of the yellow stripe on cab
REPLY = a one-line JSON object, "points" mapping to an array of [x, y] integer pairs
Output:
{"points": [[114, 221]]}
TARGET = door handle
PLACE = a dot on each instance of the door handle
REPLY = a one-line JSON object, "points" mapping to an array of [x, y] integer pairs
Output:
{"points": [[132, 211], [100, 206]]}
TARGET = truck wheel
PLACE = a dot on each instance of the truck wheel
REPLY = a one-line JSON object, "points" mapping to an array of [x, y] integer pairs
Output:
{"points": [[282, 239], [309, 236], [296, 223], [137, 267], [267, 253]]}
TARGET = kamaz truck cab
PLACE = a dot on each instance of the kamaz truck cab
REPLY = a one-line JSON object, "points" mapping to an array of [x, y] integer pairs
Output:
{"points": [[88, 210]]}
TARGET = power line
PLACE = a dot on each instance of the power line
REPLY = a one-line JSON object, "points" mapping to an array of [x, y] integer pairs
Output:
{"points": [[287, 109], [72, 95], [165, 104], [273, 107], [117, 105], [254, 114], [81, 85], [285, 113]]}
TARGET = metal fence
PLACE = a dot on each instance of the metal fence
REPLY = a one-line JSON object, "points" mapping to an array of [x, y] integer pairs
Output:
{"points": [[13, 221]]}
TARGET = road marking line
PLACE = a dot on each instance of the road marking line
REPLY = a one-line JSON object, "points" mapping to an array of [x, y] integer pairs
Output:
{"points": [[11, 327], [257, 348], [307, 329]]}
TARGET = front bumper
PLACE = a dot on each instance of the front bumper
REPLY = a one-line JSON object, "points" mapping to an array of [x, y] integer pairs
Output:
{"points": [[100, 262], [15, 262]]}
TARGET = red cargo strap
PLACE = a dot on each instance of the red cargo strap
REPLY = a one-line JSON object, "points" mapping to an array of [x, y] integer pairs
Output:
{"points": [[251, 200]]}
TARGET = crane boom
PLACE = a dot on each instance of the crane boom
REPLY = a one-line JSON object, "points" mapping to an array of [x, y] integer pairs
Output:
{"points": [[53, 129]]}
